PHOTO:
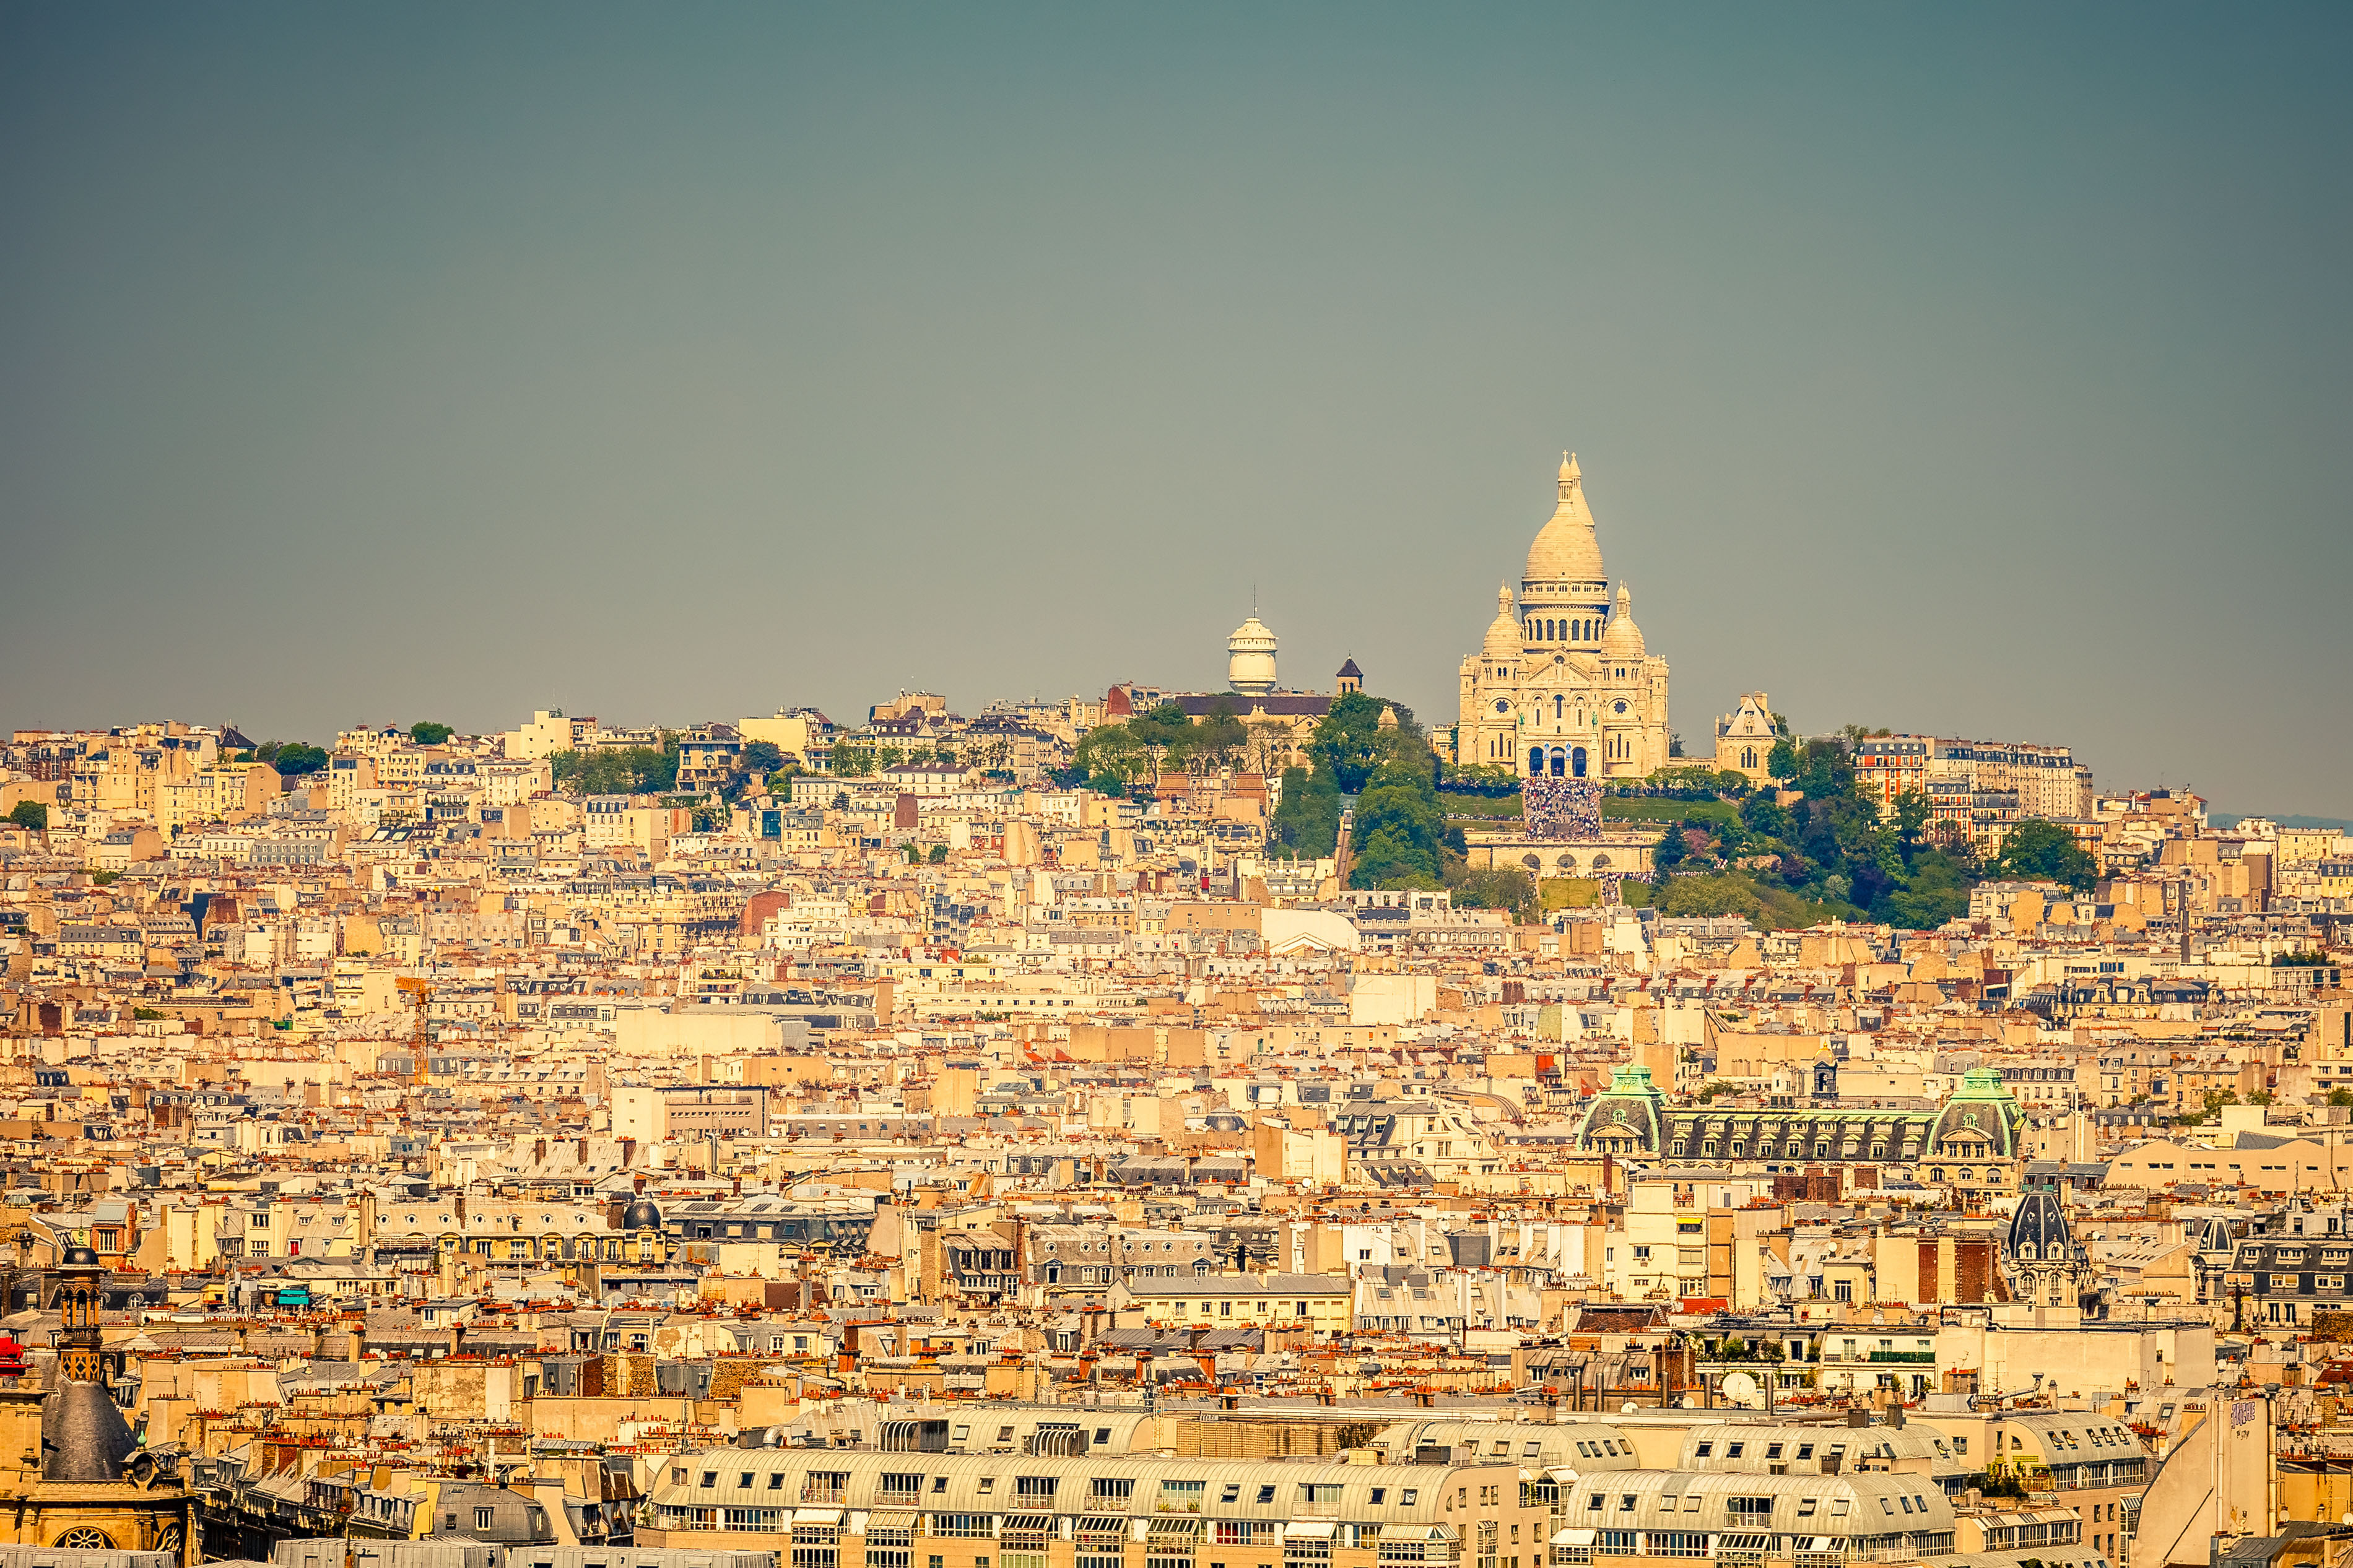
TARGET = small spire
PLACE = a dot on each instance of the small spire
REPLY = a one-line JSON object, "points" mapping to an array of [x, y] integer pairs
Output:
{"points": [[1569, 474]]}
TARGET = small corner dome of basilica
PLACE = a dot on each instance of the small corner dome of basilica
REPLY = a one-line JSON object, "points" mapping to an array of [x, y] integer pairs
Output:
{"points": [[1622, 639], [1503, 631], [1566, 550]]}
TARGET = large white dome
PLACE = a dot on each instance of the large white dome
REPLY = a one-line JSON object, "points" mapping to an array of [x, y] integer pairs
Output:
{"points": [[1566, 550]]}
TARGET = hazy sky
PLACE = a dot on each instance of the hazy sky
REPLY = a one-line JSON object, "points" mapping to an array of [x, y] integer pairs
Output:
{"points": [[1957, 368]]}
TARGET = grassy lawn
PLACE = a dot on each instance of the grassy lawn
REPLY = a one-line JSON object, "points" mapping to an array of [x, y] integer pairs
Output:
{"points": [[1455, 804], [1637, 809]]}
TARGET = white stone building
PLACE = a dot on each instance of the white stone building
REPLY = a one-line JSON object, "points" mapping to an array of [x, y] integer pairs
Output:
{"points": [[1563, 686]]}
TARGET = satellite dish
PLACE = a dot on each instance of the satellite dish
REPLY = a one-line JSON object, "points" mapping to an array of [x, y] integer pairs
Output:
{"points": [[1741, 1389]]}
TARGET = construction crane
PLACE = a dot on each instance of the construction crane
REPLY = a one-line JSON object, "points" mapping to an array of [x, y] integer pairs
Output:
{"points": [[419, 993]]}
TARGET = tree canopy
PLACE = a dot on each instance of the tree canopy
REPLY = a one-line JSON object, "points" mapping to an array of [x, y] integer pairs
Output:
{"points": [[426, 732], [1350, 742], [629, 769], [2038, 851], [1306, 823], [30, 813], [1399, 838], [292, 759], [1833, 852]]}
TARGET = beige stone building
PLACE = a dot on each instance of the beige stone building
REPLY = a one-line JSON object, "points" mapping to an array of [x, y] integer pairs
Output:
{"points": [[1563, 685], [1744, 738]]}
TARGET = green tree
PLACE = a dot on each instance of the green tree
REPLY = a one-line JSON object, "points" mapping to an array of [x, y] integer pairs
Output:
{"points": [[1218, 739], [1307, 822], [1500, 887], [853, 761], [32, 813], [1912, 814], [1163, 731], [1117, 753], [292, 759], [2039, 851], [1936, 891], [1825, 771], [1399, 837], [939, 855], [760, 757], [426, 732], [1351, 742], [1765, 817], [620, 770], [1670, 852]]}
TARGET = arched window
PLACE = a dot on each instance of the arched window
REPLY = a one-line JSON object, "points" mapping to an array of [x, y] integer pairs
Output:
{"points": [[1577, 763], [1567, 862], [1602, 862], [1558, 705], [1535, 758], [1559, 762], [1532, 863]]}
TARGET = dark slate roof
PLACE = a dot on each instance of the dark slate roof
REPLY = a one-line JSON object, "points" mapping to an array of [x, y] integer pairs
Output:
{"points": [[2041, 1223], [1275, 704], [82, 1435]]}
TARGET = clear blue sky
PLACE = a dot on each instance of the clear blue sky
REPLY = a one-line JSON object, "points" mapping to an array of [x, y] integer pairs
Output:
{"points": [[1964, 369]]}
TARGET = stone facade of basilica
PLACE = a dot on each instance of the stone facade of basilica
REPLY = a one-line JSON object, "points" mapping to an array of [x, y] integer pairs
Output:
{"points": [[1563, 686]]}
